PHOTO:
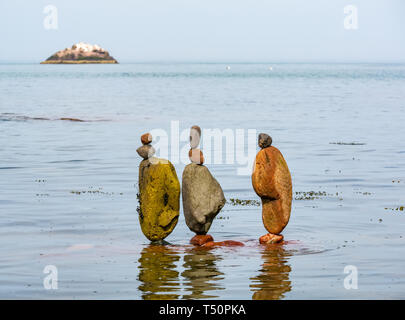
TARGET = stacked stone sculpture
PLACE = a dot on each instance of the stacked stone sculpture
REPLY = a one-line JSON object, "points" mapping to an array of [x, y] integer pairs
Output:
{"points": [[203, 197], [271, 181], [146, 151], [159, 193]]}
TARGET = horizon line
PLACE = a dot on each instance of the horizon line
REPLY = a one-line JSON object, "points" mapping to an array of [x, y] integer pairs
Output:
{"points": [[125, 61]]}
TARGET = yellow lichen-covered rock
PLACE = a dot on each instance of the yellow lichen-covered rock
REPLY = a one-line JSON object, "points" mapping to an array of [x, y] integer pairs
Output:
{"points": [[159, 198]]}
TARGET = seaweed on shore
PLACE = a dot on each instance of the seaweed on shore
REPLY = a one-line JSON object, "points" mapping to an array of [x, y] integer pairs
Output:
{"points": [[96, 191], [363, 193], [312, 195], [72, 119], [348, 143], [299, 195], [240, 202], [15, 117], [138, 208], [401, 208]]}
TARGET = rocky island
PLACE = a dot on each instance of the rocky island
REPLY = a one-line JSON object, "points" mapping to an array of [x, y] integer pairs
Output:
{"points": [[81, 53]]}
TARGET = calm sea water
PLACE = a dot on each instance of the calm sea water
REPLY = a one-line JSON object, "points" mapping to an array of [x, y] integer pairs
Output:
{"points": [[340, 127]]}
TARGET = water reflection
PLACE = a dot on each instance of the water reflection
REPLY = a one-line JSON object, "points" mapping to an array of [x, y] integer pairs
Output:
{"points": [[158, 275], [201, 274], [273, 281]]}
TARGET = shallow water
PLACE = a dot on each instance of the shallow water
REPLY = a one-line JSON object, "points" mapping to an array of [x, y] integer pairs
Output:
{"points": [[339, 127]]}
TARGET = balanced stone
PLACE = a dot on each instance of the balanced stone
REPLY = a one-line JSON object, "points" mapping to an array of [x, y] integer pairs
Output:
{"points": [[271, 181], [201, 239], [203, 198], [195, 136], [146, 151], [196, 156], [146, 138], [159, 198], [271, 238], [264, 140]]}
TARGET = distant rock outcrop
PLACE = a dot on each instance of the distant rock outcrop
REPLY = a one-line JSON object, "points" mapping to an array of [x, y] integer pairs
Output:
{"points": [[81, 53]]}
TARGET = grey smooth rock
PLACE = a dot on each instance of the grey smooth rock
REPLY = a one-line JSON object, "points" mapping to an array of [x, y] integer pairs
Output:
{"points": [[203, 198], [146, 151], [264, 140]]}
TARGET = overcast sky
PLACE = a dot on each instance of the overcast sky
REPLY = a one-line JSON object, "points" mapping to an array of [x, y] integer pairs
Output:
{"points": [[208, 30]]}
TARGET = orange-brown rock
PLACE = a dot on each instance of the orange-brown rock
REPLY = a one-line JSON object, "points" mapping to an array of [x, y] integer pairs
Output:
{"points": [[271, 238], [201, 239], [271, 181], [196, 156], [226, 243], [146, 138]]}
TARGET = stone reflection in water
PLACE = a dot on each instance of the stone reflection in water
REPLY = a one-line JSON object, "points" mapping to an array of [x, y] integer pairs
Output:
{"points": [[201, 274], [158, 275], [273, 279]]}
